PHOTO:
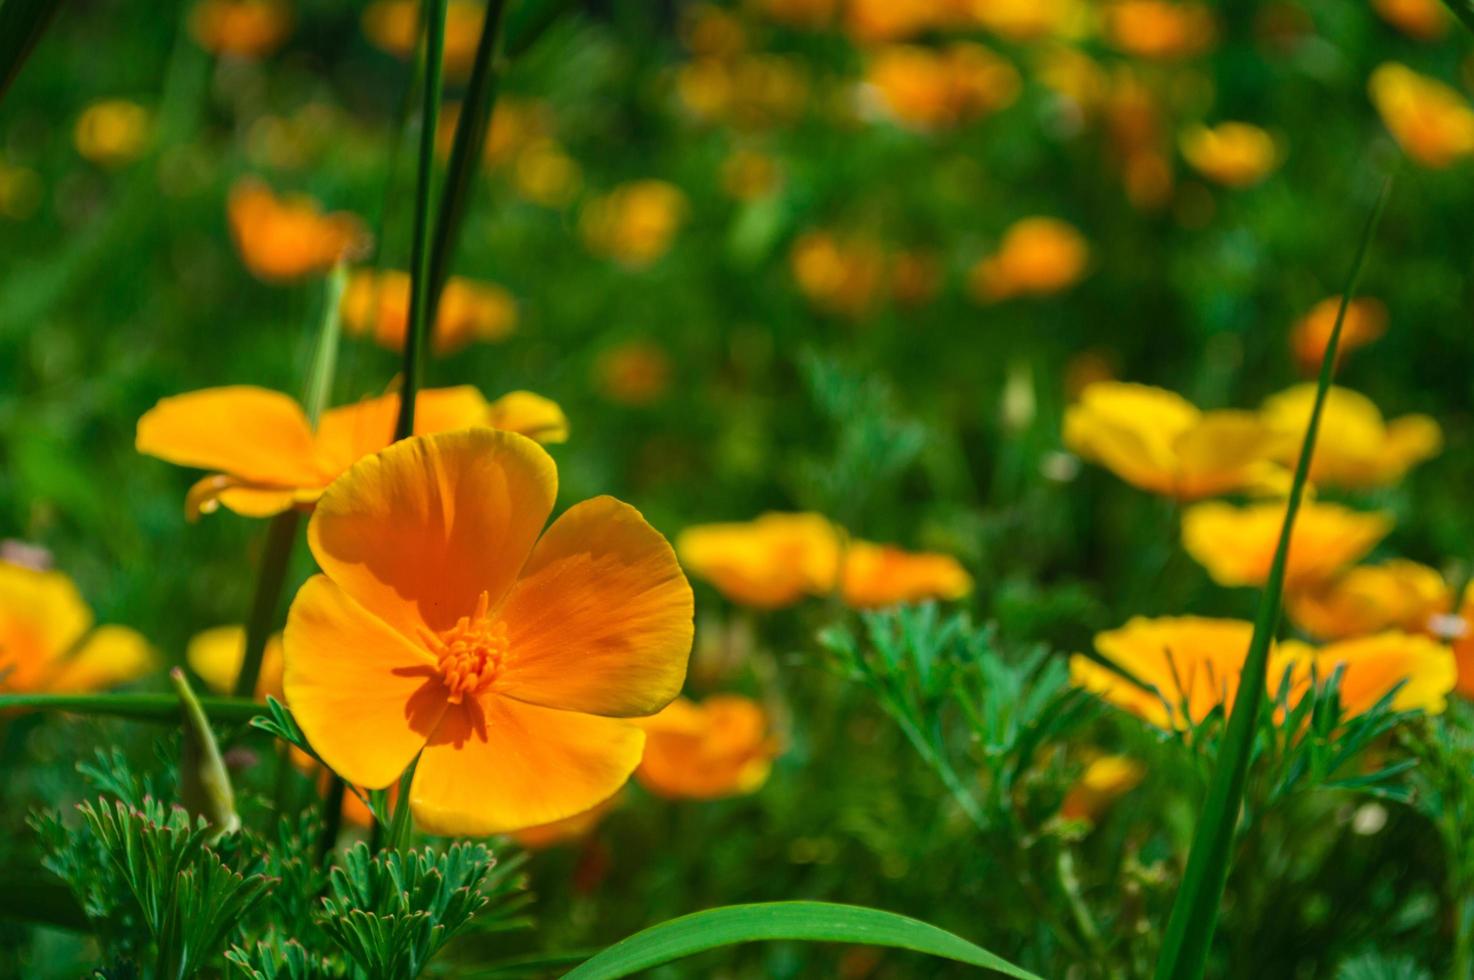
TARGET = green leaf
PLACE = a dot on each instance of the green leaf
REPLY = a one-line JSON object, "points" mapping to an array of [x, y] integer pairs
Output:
{"points": [[142, 707], [1195, 910], [802, 921], [22, 22]]}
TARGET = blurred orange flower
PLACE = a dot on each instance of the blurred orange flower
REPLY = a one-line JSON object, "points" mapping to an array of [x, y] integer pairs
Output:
{"points": [[393, 26], [1366, 320], [545, 174], [240, 28], [1368, 599], [635, 223], [1374, 665], [377, 304], [633, 373], [285, 238], [800, 13], [1036, 257], [268, 458], [1422, 20], [841, 276], [883, 21], [1159, 28], [877, 575], [1233, 154], [1237, 544], [720, 747], [928, 88], [915, 276], [748, 175], [216, 655], [1105, 780], [508, 670], [1355, 446], [567, 830], [1431, 121], [1159, 441], [1031, 20], [112, 132], [1462, 637], [49, 643], [772, 561]]}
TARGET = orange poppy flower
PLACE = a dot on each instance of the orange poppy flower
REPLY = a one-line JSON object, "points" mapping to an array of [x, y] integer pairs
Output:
{"points": [[1105, 780], [393, 26], [281, 239], [377, 304], [240, 28], [1036, 257], [1373, 665], [1159, 29], [1356, 447], [719, 747], [1421, 20], [800, 13], [838, 275], [1369, 599], [1233, 154], [268, 458], [1460, 631], [876, 575], [1431, 121], [567, 830], [635, 223], [1159, 441], [447, 624], [216, 655], [1237, 544], [1366, 320], [770, 562], [928, 88], [634, 373], [112, 132], [49, 645]]}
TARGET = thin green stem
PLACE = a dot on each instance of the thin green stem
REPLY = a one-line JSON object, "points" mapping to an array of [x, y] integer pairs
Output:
{"points": [[1195, 910], [399, 826], [325, 354], [281, 535], [419, 293], [141, 707]]}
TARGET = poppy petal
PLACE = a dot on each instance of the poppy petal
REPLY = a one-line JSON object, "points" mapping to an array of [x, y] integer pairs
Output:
{"points": [[366, 697], [496, 765], [601, 618], [110, 655], [256, 434], [349, 433]]}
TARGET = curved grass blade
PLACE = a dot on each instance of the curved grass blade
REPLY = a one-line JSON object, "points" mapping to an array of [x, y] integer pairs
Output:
{"points": [[22, 22], [801, 921], [141, 707], [1195, 910]]}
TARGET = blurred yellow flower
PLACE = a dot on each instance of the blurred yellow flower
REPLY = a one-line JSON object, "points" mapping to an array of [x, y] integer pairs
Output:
{"points": [[1462, 638], [377, 304], [708, 29], [1105, 780], [529, 414], [1233, 154], [929, 88], [1431, 121], [1159, 441], [885, 21], [545, 174], [1366, 320], [635, 223], [1355, 447], [1422, 20], [838, 275], [719, 747], [1037, 256], [281, 239], [876, 575], [1367, 599], [1159, 28], [240, 28], [393, 26], [216, 656], [800, 13], [749, 175], [772, 561], [567, 830], [1236, 544], [1137, 127], [1031, 20], [267, 458], [20, 191], [1374, 665], [112, 132], [633, 373], [49, 643]]}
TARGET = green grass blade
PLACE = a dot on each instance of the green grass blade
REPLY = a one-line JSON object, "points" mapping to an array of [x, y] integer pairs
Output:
{"points": [[527, 21], [22, 22], [1194, 916], [1463, 10], [419, 293], [795, 921], [140, 707]]}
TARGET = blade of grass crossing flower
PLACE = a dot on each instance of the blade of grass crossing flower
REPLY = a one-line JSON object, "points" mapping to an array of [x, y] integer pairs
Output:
{"points": [[22, 22], [1194, 916], [794, 921], [419, 293], [325, 354], [281, 535], [141, 707], [1463, 10]]}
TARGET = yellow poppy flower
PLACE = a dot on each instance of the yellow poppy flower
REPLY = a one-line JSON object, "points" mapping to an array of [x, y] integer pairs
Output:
{"points": [[448, 625], [112, 132], [1159, 29], [1431, 121], [1036, 257], [268, 458], [1105, 780], [393, 26], [1237, 544], [377, 304], [877, 575], [1159, 441], [719, 747], [1368, 599], [240, 28], [1233, 154], [883, 21], [1032, 20], [1373, 665], [1421, 20], [216, 655], [1355, 447], [283, 239], [635, 223], [49, 644], [930, 88], [770, 562], [838, 275], [1366, 320]]}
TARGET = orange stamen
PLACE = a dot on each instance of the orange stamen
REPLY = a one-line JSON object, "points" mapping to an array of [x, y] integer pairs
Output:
{"points": [[471, 652]]}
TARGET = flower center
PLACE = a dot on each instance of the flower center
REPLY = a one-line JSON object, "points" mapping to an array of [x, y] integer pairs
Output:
{"points": [[471, 652]]}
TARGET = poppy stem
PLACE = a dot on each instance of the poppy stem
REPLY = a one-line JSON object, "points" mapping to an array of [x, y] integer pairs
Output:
{"points": [[280, 537], [419, 292]]}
